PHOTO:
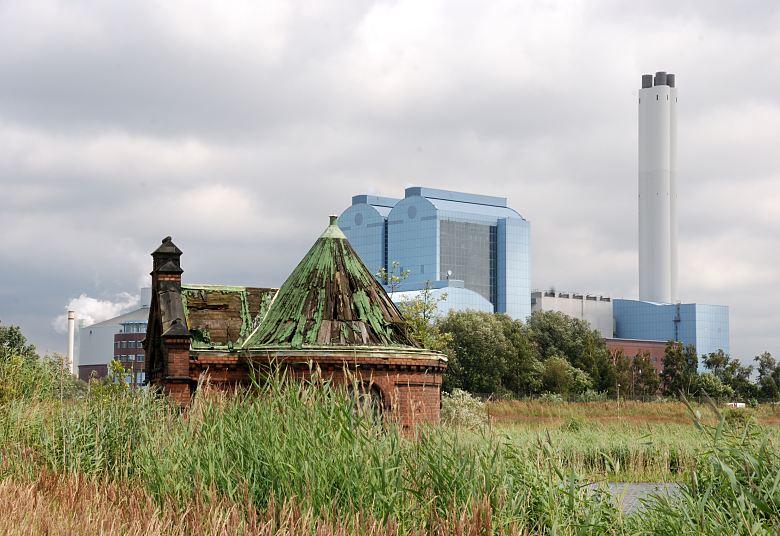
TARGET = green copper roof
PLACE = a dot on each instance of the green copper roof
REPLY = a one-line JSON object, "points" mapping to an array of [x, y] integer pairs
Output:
{"points": [[331, 298]]}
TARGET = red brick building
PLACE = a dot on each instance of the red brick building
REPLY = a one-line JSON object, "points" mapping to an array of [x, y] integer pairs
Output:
{"points": [[634, 347], [129, 350], [331, 315]]}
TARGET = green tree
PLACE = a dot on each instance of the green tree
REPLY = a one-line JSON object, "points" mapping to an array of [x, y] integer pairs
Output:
{"points": [[115, 383], [768, 376], [489, 353], [732, 373], [13, 343], [421, 313], [562, 378], [622, 373], [645, 378], [392, 278], [556, 334], [709, 384], [680, 369]]}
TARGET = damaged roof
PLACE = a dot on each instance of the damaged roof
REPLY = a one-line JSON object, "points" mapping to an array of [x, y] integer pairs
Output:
{"points": [[331, 298], [220, 316]]}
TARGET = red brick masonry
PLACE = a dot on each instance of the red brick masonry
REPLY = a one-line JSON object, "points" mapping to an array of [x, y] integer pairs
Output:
{"points": [[409, 380]]}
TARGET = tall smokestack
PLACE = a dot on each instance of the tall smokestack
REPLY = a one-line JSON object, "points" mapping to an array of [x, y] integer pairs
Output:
{"points": [[71, 341], [657, 189]]}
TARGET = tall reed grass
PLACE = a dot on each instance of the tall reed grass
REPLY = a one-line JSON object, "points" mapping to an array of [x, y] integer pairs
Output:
{"points": [[295, 458], [299, 443], [734, 489]]}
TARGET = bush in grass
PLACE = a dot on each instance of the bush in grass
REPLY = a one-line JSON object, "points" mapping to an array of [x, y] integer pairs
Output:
{"points": [[463, 410], [551, 398], [589, 395], [573, 424], [738, 418], [37, 378]]}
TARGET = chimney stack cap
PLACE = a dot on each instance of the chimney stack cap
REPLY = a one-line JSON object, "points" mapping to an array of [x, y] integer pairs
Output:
{"points": [[167, 248]]}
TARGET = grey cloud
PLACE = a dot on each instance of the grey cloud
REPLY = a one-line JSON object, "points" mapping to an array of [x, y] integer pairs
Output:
{"points": [[238, 131]]}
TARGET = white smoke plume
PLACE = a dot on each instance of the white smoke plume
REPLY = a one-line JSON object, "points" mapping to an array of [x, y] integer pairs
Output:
{"points": [[93, 310]]}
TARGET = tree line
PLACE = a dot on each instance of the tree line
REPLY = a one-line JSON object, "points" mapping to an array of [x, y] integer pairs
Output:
{"points": [[490, 353]]}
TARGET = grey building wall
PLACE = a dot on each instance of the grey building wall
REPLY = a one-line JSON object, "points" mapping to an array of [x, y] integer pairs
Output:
{"points": [[596, 310]]}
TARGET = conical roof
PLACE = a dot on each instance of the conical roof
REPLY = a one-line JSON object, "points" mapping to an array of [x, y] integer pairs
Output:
{"points": [[331, 298]]}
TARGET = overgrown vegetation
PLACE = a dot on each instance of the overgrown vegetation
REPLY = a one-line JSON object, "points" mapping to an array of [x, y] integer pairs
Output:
{"points": [[296, 458]]}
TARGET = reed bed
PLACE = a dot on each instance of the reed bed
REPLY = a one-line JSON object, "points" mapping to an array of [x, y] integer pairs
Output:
{"points": [[616, 452], [290, 458], [302, 445]]}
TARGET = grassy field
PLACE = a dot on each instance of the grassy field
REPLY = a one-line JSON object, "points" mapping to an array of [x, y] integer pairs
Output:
{"points": [[539, 413], [643, 442], [293, 459]]}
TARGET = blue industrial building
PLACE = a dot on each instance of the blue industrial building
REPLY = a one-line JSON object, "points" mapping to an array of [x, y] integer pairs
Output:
{"points": [[704, 326], [473, 247]]}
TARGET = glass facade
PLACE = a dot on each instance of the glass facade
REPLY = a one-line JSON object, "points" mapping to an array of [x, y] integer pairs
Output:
{"points": [[704, 326], [482, 242], [468, 254]]}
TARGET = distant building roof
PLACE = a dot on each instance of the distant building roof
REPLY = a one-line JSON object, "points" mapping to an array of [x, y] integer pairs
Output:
{"points": [[460, 197], [141, 314]]}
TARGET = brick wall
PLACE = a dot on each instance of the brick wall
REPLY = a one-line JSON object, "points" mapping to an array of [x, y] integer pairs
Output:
{"points": [[410, 388]]}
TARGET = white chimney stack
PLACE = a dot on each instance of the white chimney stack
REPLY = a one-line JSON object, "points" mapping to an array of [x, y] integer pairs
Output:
{"points": [[657, 188], [72, 341]]}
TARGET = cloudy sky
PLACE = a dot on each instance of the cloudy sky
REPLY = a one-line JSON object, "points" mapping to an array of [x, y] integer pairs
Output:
{"points": [[237, 127]]}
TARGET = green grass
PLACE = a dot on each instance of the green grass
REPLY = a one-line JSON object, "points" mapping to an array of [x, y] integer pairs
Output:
{"points": [[298, 442], [617, 452], [303, 445]]}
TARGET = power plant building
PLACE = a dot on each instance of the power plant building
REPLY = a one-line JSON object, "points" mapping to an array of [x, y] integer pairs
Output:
{"points": [[595, 310], [704, 326], [473, 247]]}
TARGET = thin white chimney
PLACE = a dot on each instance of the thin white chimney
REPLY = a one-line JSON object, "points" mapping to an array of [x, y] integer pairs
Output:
{"points": [[71, 341], [657, 188]]}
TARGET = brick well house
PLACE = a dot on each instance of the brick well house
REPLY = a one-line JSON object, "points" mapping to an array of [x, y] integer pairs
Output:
{"points": [[330, 315]]}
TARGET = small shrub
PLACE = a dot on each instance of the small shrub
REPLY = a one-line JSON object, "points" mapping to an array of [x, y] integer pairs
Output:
{"points": [[573, 424], [589, 395], [738, 419], [463, 410], [552, 398]]}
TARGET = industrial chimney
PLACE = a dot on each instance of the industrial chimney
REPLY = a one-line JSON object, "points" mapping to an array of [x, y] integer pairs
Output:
{"points": [[71, 341], [657, 189]]}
